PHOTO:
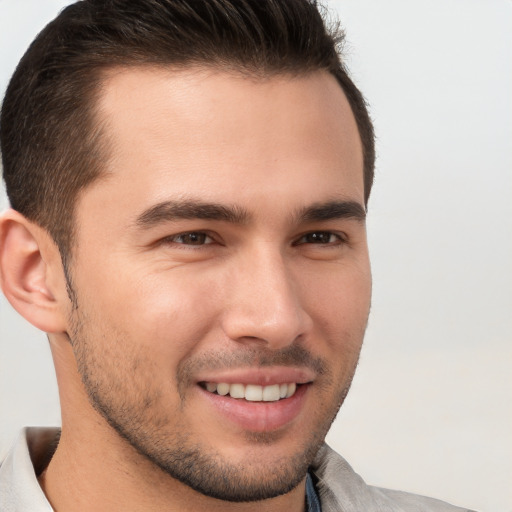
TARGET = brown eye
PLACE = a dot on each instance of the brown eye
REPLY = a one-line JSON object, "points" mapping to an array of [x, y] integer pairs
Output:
{"points": [[320, 237], [193, 238]]}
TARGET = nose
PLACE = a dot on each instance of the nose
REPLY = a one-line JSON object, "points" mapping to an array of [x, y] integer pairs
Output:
{"points": [[264, 305]]}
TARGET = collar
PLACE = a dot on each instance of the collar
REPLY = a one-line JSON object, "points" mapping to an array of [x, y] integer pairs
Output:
{"points": [[19, 489], [312, 499]]}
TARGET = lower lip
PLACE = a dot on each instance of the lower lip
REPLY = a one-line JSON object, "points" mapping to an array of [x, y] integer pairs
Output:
{"points": [[259, 416]]}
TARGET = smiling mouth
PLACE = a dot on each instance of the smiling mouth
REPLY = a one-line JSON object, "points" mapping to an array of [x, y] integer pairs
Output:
{"points": [[252, 392]]}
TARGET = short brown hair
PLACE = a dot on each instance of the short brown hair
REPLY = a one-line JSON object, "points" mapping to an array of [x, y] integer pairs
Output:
{"points": [[51, 142]]}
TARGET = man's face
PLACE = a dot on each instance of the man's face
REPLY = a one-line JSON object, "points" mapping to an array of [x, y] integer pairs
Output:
{"points": [[223, 252]]}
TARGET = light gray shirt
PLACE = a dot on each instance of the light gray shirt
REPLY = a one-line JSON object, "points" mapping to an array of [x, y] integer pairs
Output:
{"points": [[339, 488]]}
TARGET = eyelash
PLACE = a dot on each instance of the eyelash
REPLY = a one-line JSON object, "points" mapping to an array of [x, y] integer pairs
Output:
{"points": [[339, 239], [173, 238]]}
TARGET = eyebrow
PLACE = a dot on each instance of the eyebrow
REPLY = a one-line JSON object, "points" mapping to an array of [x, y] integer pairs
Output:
{"points": [[168, 211], [333, 210]]}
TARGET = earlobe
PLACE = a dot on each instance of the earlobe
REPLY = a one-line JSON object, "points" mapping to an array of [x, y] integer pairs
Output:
{"points": [[26, 257]]}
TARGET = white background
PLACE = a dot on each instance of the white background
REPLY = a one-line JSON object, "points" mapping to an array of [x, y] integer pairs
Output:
{"points": [[430, 409]]}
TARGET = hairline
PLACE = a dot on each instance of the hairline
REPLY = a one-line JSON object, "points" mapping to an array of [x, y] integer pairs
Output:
{"points": [[99, 127]]}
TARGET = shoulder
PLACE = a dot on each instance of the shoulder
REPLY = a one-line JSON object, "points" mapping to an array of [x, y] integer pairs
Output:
{"points": [[341, 488], [19, 488]]}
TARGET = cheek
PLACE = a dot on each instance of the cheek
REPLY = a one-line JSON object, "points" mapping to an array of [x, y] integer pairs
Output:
{"points": [[340, 313], [341, 297], [169, 314], [152, 317]]}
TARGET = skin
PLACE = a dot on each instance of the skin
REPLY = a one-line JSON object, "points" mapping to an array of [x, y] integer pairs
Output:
{"points": [[160, 310]]}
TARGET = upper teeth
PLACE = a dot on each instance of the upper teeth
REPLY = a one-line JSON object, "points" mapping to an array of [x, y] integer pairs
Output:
{"points": [[253, 392]]}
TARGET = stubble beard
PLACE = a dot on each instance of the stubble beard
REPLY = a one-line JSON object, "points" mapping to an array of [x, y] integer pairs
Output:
{"points": [[137, 419]]}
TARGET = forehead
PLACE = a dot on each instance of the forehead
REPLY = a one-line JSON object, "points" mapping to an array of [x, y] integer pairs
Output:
{"points": [[226, 136]]}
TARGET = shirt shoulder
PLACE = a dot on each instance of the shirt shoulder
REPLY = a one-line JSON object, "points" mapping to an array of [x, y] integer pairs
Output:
{"points": [[341, 489], [19, 488]]}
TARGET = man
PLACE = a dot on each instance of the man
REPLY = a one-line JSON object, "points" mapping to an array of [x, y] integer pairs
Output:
{"points": [[188, 183]]}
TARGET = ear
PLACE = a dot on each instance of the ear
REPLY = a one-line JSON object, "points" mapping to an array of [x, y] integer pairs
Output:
{"points": [[31, 273]]}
